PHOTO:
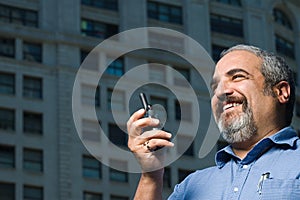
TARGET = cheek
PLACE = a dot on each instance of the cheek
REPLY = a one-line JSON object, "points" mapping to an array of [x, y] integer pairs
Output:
{"points": [[214, 103]]}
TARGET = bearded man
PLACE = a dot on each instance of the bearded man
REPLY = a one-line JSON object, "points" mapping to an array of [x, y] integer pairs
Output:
{"points": [[252, 102]]}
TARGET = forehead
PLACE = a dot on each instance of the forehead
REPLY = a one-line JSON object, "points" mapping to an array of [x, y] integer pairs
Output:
{"points": [[239, 59]]}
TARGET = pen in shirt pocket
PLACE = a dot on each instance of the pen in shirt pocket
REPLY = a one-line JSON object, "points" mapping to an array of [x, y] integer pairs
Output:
{"points": [[263, 177]]}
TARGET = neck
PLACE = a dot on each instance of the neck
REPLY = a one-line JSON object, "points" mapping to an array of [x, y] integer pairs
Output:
{"points": [[241, 149]]}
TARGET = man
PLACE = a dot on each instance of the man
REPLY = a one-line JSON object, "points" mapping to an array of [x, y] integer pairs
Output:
{"points": [[252, 103]]}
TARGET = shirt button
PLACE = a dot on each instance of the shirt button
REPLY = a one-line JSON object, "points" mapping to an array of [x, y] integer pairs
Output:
{"points": [[235, 189], [245, 166]]}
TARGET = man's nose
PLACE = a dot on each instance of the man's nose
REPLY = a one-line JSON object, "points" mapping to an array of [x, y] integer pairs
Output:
{"points": [[223, 90]]}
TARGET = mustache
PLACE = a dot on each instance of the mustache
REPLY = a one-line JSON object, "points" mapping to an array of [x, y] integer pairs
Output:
{"points": [[231, 99]]}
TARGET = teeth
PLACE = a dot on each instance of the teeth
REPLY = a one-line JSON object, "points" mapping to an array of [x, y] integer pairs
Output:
{"points": [[230, 105]]}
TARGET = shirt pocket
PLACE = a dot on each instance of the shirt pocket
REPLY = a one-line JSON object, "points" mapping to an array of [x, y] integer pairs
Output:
{"points": [[280, 189]]}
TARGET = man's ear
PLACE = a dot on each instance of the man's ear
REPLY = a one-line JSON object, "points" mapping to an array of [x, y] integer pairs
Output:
{"points": [[282, 91]]}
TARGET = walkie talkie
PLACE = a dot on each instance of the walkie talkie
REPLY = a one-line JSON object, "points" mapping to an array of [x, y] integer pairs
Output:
{"points": [[147, 106]]}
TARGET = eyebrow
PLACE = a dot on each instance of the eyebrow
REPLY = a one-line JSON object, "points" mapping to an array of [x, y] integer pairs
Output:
{"points": [[237, 70], [230, 73]]}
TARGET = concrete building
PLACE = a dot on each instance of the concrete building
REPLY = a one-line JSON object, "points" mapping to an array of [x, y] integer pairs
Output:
{"points": [[42, 45]]}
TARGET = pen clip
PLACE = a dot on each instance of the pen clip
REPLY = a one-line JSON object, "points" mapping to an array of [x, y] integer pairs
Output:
{"points": [[263, 177]]}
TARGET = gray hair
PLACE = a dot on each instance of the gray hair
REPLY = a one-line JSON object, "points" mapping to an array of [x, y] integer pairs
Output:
{"points": [[274, 69]]}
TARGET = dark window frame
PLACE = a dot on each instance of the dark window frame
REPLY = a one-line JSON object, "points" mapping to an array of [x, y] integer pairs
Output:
{"points": [[284, 47], [7, 190], [87, 195], [125, 177], [226, 25], [7, 83], [33, 123], [104, 4], [165, 12], [32, 51], [97, 29], [281, 18], [7, 47], [33, 159], [7, 156], [231, 2], [116, 68], [33, 192], [117, 136], [7, 119], [89, 167], [33, 90], [14, 15]]}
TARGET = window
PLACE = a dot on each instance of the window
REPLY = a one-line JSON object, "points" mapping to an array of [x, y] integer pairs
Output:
{"points": [[116, 67], [115, 197], [116, 175], [32, 193], [226, 25], [285, 47], [167, 177], [164, 12], [7, 156], [185, 145], [178, 79], [25, 17], [91, 167], [32, 52], [33, 160], [117, 136], [32, 87], [7, 191], [7, 47], [33, 123], [216, 51], [98, 29], [231, 2], [282, 19], [7, 119], [118, 103], [119, 176], [182, 173], [106, 4], [83, 55], [91, 196], [186, 107], [90, 95], [91, 130], [7, 83]]}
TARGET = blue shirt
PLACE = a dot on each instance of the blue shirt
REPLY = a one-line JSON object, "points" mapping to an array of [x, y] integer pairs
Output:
{"points": [[233, 178]]}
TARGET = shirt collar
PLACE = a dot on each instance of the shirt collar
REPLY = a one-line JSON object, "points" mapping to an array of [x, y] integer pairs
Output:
{"points": [[286, 136]]}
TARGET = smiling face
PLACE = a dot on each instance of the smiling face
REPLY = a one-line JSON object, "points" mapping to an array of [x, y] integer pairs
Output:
{"points": [[239, 103]]}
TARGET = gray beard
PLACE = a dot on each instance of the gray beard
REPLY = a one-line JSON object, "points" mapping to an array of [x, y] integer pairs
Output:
{"points": [[240, 129]]}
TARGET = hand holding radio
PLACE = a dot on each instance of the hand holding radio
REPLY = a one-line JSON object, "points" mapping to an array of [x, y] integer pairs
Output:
{"points": [[146, 137]]}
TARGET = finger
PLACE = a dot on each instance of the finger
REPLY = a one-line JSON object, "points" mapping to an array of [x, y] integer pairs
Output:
{"points": [[135, 129], [135, 116], [155, 144], [136, 143], [155, 134], [145, 122]]}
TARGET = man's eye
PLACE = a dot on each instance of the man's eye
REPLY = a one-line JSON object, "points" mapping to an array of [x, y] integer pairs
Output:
{"points": [[238, 76]]}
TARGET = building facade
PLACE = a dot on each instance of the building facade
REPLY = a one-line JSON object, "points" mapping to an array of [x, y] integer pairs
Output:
{"points": [[42, 46]]}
